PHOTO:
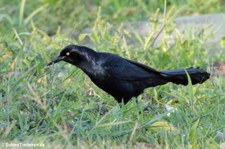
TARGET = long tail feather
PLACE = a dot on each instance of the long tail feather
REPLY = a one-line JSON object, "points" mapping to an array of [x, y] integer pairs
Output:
{"points": [[179, 76]]}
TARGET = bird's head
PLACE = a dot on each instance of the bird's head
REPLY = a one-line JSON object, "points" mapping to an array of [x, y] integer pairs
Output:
{"points": [[73, 54]]}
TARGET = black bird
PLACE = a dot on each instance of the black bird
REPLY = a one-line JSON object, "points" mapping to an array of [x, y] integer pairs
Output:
{"points": [[123, 78]]}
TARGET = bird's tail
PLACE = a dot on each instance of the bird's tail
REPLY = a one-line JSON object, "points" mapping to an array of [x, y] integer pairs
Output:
{"points": [[179, 76]]}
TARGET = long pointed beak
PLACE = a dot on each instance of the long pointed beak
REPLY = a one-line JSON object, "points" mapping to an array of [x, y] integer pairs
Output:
{"points": [[56, 60]]}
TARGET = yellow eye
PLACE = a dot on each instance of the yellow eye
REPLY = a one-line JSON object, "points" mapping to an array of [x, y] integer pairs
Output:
{"points": [[67, 53]]}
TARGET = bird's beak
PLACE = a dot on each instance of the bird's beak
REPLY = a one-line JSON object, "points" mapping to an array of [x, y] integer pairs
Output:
{"points": [[56, 60]]}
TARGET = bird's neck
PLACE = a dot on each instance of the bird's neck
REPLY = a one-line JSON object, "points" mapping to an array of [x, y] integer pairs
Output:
{"points": [[87, 64], [93, 68]]}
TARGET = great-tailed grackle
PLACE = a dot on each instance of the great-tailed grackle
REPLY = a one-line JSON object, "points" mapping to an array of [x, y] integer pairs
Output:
{"points": [[122, 78]]}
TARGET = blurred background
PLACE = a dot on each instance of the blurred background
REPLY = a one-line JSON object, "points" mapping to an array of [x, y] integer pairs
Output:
{"points": [[49, 15]]}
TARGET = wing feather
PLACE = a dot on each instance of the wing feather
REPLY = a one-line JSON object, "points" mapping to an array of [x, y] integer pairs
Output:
{"points": [[127, 70]]}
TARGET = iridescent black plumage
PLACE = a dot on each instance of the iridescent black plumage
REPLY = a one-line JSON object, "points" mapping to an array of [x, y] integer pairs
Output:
{"points": [[122, 78]]}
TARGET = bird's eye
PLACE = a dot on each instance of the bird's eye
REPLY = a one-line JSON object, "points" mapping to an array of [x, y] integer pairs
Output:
{"points": [[67, 53]]}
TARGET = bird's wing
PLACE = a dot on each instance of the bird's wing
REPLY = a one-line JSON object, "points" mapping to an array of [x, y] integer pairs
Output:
{"points": [[147, 68], [122, 69]]}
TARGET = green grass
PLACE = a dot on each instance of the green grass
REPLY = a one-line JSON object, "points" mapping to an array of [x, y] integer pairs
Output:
{"points": [[56, 105]]}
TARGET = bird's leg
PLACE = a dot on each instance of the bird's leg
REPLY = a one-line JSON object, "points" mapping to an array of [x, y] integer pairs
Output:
{"points": [[139, 107], [120, 103], [136, 100]]}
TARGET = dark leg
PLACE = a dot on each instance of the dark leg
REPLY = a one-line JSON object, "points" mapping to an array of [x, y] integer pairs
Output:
{"points": [[136, 100]]}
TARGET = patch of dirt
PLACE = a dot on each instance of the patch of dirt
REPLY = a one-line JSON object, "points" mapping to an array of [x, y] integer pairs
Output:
{"points": [[218, 69]]}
